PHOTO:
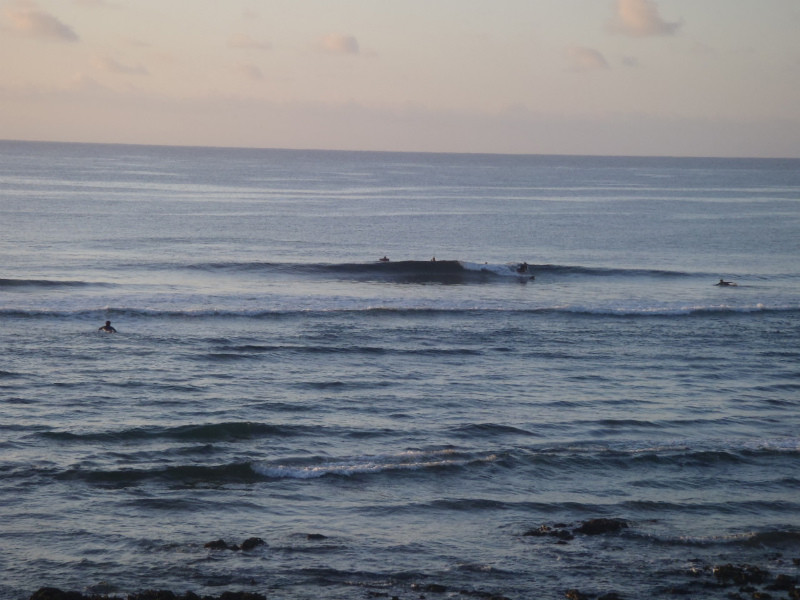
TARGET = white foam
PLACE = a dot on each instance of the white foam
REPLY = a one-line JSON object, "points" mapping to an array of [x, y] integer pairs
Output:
{"points": [[506, 270], [410, 461]]}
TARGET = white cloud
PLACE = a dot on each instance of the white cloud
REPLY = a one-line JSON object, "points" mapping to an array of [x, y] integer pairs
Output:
{"points": [[336, 43], [243, 40], [585, 59], [110, 65], [27, 19], [640, 18]]}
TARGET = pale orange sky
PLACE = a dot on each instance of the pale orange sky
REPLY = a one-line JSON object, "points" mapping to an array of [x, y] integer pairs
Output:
{"points": [[663, 77]]}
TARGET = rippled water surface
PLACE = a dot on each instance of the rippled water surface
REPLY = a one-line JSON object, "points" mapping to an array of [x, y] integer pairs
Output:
{"points": [[385, 427]]}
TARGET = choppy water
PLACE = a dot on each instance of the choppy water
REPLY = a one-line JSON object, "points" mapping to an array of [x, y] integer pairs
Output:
{"points": [[270, 378]]}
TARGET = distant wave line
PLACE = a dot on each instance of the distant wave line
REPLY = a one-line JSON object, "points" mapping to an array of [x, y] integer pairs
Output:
{"points": [[277, 313]]}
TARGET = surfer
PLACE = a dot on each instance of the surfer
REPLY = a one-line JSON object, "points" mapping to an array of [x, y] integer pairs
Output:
{"points": [[384, 259], [107, 328], [724, 283], [522, 268], [433, 259]]}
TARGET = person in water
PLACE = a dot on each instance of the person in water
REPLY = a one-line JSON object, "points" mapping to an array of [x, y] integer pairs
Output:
{"points": [[722, 282], [107, 328], [384, 259], [523, 268]]}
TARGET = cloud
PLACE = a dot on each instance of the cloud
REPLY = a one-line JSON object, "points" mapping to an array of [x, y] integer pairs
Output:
{"points": [[27, 19], [640, 18], [111, 66], [242, 40], [250, 71], [336, 43], [585, 59]]}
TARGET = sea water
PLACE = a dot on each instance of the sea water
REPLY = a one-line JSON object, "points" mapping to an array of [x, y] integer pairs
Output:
{"points": [[385, 427]]}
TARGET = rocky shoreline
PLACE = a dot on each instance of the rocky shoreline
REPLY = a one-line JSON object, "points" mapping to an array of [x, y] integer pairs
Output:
{"points": [[727, 581]]}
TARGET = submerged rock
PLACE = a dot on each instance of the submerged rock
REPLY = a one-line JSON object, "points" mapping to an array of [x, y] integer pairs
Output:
{"points": [[545, 530], [253, 542], [433, 588], [740, 574], [576, 595], [216, 545], [601, 526]]}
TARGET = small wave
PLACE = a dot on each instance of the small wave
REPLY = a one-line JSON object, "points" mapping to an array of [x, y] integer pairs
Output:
{"points": [[189, 474], [207, 432], [491, 430], [12, 284], [405, 461], [579, 310]]}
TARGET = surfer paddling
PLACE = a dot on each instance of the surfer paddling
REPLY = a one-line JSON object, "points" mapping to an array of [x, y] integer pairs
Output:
{"points": [[724, 283], [384, 259], [107, 328]]}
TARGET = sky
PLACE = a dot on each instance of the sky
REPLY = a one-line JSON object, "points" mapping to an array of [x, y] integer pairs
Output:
{"points": [[604, 77]]}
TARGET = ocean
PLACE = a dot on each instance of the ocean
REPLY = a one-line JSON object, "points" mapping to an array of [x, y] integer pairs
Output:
{"points": [[412, 428]]}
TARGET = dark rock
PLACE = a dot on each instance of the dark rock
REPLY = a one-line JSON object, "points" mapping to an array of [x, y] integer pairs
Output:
{"points": [[316, 536], [601, 526], [242, 596], [740, 575], [576, 595], [761, 596], [794, 593], [610, 596], [783, 583], [543, 530], [153, 595], [253, 542], [49, 593], [216, 545]]}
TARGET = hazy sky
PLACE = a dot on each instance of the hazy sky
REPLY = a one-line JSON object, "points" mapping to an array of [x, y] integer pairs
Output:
{"points": [[661, 77]]}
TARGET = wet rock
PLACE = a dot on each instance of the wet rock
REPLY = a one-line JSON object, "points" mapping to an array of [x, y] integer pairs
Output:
{"points": [[576, 595], [253, 542], [216, 545], [601, 526], [740, 574], [48, 593], [482, 594], [153, 595], [242, 596], [610, 596], [783, 583], [761, 596]]}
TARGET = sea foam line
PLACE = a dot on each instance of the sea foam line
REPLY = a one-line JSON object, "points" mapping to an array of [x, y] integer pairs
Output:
{"points": [[408, 461]]}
